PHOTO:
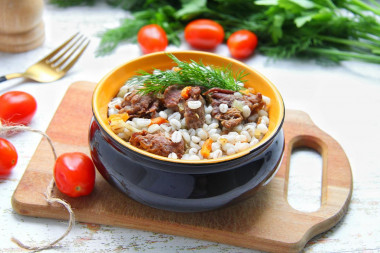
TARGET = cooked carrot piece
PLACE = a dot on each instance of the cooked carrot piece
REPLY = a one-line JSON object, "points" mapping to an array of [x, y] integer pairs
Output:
{"points": [[185, 92], [206, 148], [158, 121], [124, 116]]}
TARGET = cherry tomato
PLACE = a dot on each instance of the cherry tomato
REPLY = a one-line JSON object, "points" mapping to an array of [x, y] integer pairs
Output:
{"points": [[204, 34], [242, 44], [74, 174], [8, 157], [152, 38], [17, 107]]}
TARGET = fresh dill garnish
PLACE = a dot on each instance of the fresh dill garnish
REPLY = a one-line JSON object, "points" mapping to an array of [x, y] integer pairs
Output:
{"points": [[191, 74]]}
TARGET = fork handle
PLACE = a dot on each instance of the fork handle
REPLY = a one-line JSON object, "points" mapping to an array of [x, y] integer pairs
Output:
{"points": [[9, 76]]}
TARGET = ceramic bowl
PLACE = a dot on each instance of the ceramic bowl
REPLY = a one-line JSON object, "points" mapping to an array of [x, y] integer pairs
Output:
{"points": [[183, 185]]}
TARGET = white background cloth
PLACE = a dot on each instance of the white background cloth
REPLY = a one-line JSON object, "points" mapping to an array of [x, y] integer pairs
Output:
{"points": [[343, 101]]}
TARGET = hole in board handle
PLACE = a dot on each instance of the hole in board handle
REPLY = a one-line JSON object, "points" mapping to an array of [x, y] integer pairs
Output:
{"points": [[304, 188]]}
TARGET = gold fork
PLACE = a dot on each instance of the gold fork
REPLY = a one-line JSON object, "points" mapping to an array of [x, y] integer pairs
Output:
{"points": [[55, 65]]}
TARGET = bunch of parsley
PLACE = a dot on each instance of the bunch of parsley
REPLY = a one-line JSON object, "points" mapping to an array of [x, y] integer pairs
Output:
{"points": [[333, 30]]}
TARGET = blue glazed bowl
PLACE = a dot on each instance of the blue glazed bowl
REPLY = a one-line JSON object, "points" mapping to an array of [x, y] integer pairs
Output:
{"points": [[183, 185]]}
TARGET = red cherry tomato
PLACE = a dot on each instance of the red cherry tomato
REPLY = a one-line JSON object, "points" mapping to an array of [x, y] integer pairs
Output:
{"points": [[74, 174], [152, 38], [204, 34], [242, 44], [17, 107], [8, 157]]}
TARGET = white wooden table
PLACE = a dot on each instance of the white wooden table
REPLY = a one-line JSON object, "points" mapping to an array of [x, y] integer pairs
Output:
{"points": [[342, 100]]}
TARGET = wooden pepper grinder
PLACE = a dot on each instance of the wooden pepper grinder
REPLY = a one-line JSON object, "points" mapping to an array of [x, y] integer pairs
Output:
{"points": [[21, 25]]}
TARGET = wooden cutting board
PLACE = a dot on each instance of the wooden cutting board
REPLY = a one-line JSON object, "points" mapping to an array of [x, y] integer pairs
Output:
{"points": [[264, 222]]}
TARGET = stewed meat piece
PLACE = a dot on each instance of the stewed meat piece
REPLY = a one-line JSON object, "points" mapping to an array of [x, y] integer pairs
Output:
{"points": [[157, 143], [140, 105], [173, 99], [195, 109], [254, 101], [192, 107], [217, 96], [232, 117]]}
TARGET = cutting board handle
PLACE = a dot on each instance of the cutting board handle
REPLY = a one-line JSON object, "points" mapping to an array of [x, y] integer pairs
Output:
{"points": [[336, 188]]}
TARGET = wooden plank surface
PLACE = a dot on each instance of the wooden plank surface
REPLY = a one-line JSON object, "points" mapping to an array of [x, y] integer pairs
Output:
{"points": [[265, 221]]}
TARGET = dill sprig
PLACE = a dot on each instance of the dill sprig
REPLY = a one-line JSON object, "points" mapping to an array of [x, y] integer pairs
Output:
{"points": [[191, 74]]}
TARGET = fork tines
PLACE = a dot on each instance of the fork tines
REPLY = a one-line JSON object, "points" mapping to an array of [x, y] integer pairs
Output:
{"points": [[65, 56]]}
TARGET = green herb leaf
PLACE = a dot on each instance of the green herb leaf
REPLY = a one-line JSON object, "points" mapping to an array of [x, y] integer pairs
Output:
{"points": [[191, 8], [67, 3], [191, 74]]}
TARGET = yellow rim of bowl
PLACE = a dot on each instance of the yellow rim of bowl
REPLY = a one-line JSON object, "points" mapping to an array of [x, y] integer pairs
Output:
{"points": [[101, 114]]}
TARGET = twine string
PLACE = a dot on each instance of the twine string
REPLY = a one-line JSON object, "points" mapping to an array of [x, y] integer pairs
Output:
{"points": [[4, 130]]}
